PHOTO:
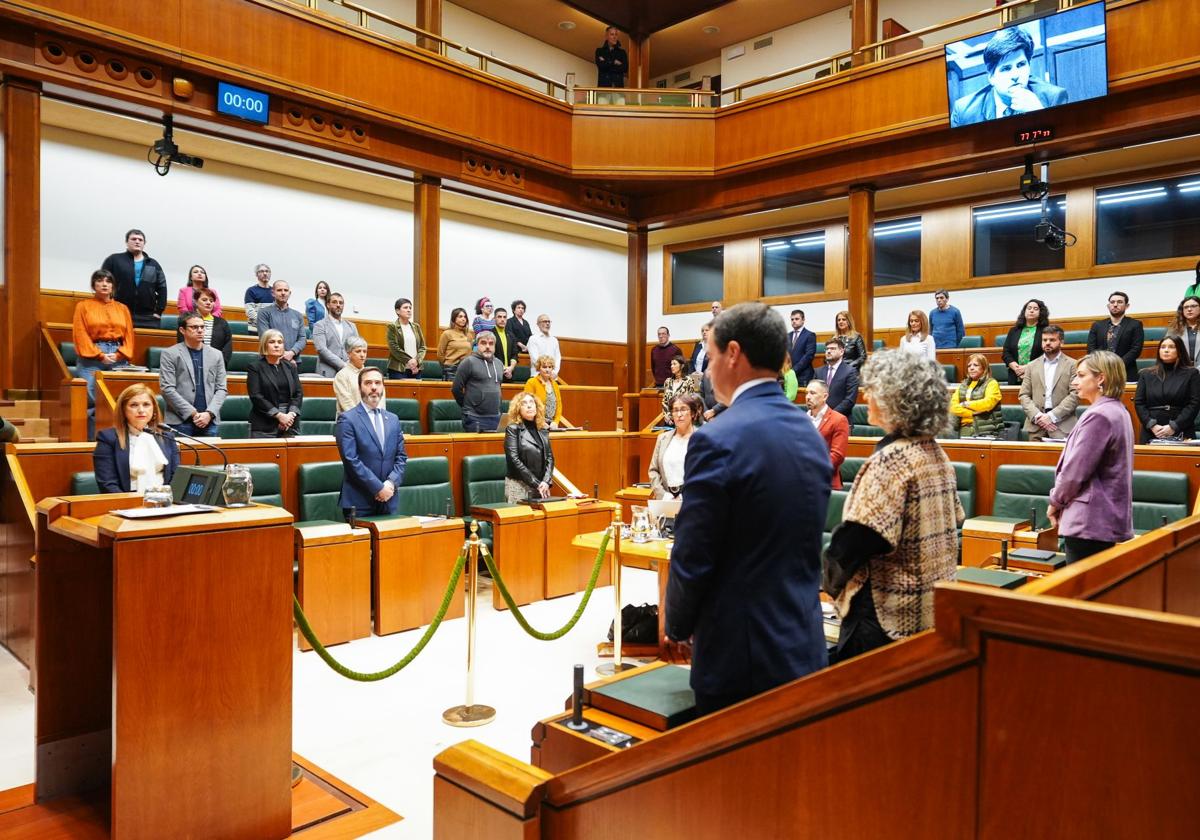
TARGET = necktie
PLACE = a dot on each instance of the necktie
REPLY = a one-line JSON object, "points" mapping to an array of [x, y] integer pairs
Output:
{"points": [[377, 422], [795, 336], [1008, 112]]}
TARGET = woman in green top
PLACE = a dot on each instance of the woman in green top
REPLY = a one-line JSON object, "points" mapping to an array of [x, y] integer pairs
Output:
{"points": [[1194, 289], [787, 379], [1024, 341]]}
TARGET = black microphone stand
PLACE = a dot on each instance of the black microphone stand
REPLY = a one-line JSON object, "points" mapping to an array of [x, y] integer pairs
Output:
{"points": [[163, 427]]}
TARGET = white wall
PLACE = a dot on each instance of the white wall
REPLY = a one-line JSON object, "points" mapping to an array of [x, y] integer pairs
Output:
{"points": [[800, 43], [228, 218], [480, 33], [712, 67]]}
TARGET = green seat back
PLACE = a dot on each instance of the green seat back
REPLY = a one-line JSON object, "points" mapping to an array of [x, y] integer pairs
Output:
{"points": [[1158, 494], [1019, 488], [67, 350], [866, 430], [409, 412], [431, 370], [820, 347], [950, 372], [379, 365], [426, 487], [235, 417], [445, 417], [267, 489], [319, 486], [858, 414], [317, 415], [964, 476], [1076, 336], [483, 480], [1154, 333], [877, 344], [971, 341], [999, 372], [833, 514], [239, 361], [999, 340], [521, 373], [239, 328], [307, 363], [153, 356], [168, 322], [84, 484], [1142, 364], [850, 468]]}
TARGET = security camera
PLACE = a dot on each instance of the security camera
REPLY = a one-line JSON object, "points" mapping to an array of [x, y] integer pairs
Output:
{"points": [[167, 152], [1032, 188]]}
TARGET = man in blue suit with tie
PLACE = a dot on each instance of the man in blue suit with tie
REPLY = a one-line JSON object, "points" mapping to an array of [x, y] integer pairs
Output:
{"points": [[840, 377], [746, 566], [802, 347], [372, 448]]}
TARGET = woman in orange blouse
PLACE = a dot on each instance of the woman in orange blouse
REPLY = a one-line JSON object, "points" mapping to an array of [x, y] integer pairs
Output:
{"points": [[103, 333]]}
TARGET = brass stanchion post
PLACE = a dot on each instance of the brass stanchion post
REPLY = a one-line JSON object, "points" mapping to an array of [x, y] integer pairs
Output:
{"points": [[470, 714], [616, 666]]}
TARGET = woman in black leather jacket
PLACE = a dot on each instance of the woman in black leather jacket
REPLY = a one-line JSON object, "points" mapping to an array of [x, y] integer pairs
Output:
{"points": [[527, 454]]}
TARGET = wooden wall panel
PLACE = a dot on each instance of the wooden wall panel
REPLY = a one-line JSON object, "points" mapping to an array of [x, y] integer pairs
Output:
{"points": [[630, 144], [945, 245]]}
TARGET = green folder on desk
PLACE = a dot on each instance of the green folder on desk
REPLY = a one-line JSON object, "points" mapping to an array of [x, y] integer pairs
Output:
{"points": [[990, 577], [659, 698]]}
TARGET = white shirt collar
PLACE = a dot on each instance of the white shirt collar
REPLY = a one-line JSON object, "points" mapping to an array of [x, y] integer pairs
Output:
{"points": [[746, 386], [820, 415]]}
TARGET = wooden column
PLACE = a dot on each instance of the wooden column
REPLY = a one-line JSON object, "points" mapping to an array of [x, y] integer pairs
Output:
{"points": [[20, 294], [635, 326], [861, 260], [639, 62], [427, 234], [429, 18], [864, 23]]}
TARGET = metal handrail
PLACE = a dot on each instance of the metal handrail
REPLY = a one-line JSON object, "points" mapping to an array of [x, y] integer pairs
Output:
{"points": [[366, 15], [833, 62], [696, 98]]}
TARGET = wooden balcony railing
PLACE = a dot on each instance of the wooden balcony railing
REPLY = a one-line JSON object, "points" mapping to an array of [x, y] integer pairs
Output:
{"points": [[665, 97]]}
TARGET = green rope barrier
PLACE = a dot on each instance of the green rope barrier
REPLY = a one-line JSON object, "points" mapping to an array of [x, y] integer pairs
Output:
{"points": [[307, 631], [508, 599]]}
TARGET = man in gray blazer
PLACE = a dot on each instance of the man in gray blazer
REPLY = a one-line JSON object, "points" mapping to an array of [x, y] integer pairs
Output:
{"points": [[1049, 413], [191, 410], [329, 337]]}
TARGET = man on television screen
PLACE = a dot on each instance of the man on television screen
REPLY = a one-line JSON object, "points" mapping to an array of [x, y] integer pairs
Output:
{"points": [[1010, 90]]}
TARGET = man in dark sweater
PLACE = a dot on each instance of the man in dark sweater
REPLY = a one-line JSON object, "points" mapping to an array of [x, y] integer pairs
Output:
{"points": [[140, 282], [661, 355], [1120, 334], [476, 386]]}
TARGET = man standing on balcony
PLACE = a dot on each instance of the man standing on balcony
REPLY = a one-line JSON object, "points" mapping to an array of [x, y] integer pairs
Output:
{"points": [[140, 282], [612, 63]]}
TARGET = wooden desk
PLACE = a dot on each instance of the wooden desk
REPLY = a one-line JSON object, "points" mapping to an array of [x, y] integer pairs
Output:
{"points": [[653, 555], [165, 666], [334, 581], [411, 563], [630, 496], [568, 568], [519, 549]]}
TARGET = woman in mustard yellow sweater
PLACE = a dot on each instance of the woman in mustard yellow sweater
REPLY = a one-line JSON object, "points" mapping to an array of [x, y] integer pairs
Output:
{"points": [[546, 389]]}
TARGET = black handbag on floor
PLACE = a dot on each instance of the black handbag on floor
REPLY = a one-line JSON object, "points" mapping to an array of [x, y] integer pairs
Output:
{"points": [[639, 625]]}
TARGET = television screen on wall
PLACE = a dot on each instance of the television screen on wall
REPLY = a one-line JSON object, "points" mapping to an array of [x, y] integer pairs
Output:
{"points": [[1028, 67]]}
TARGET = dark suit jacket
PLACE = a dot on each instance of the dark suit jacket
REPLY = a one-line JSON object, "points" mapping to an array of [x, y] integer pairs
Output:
{"points": [[367, 464], [1175, 398], [980, 106], [843, 391], [265, 395], [695, 355], [709, 397], [222, 337], [146, 300], [1130, 338], [111, 462], [746, 569], [1009, 354], [802, 349]]}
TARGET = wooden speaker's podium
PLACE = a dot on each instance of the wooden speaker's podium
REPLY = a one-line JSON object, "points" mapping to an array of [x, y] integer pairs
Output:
{"points": [[164, 666]]}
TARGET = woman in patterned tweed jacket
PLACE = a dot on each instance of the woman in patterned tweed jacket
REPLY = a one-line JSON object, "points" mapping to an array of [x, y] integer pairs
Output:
{"points": [[899, 532]]}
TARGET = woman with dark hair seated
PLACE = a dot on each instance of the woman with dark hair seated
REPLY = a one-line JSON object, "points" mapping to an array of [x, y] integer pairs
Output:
{"points": [[666, 464], [274, 390], [529, 461], [134, 456], [1023, 343], [1168, 394], [677, 384]]}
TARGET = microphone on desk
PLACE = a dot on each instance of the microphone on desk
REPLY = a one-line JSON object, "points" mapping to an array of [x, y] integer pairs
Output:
{"points": [[576, 722], [1004, 555], [163, 427]]}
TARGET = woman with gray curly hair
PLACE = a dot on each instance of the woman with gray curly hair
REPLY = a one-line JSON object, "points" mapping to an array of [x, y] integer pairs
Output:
{"points": [[899, 531]]}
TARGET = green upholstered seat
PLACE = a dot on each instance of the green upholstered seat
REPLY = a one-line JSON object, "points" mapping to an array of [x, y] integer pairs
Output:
{"points": [[1154, 333], [999, 372], [307, 363], [521, 373], [235, 417], [833, 514], [445, 417], [409, 412], [426, 489], [1076, 336], [379, 364], [1158, 494], [483, 484], [168, 322], [267, 488], [153, 355], [1015, 415], [850, 468], [431, 370], [820, 347], [950, 372], [999, 340], [866, 430], [1142, 364], [66, 349], [84, 484], [239, 361], [239, 327], [1019, 488], [877, 344], [318, 487], [971, 341], [318, 415], [858, 414], [964, 475]]}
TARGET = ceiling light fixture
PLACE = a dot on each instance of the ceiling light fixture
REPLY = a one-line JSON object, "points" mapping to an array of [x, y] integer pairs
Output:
{"points": [[566, 25], [711, 30]]}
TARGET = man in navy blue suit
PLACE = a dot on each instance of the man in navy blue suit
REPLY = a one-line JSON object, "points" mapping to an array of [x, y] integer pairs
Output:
{"points": [[840, 377], [746, 566], [802, 347], [372, 448]]}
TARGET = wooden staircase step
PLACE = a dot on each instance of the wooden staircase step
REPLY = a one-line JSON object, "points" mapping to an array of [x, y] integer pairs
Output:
{"points": [[30, 426]]}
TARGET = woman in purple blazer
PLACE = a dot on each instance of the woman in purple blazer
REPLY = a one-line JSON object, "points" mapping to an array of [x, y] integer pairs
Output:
{"points": [[1092, 499]]}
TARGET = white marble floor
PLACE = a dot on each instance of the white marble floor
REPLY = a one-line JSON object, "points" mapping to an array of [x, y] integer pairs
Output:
{"points": [[382, 737]]}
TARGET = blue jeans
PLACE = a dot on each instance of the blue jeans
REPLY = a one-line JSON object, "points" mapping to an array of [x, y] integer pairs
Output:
{"points": [[86, 370], [481, 423], [403, 374], [189, 428]]}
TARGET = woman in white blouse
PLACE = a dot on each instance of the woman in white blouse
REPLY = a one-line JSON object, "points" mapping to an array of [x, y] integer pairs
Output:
{"points": [[666, 465], [134, 456], [918, 339], [345, 381]]}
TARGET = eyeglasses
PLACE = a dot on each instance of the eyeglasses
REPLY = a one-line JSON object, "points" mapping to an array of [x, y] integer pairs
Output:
{"points": [[194, 327], [547, 323], [681, 409]]}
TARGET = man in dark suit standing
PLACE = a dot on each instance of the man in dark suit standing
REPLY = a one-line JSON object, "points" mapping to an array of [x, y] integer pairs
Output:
{"points": [[841, 378], [802, 347], [1119, 334], [139, 281], [372, 449], [745, 569], [1010, 90]]}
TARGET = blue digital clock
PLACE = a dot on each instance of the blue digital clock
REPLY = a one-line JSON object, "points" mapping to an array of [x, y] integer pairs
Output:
{"points": [[243, 103]]}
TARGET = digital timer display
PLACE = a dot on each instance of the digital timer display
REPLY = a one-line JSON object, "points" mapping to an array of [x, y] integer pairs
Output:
{"points": [[243, 103], [1033, 135]]}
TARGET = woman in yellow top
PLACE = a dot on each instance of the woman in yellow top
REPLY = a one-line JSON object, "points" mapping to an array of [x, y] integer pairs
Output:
{"points": [[455, 343], [103, 333], [976, 401], [545, 388]]}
